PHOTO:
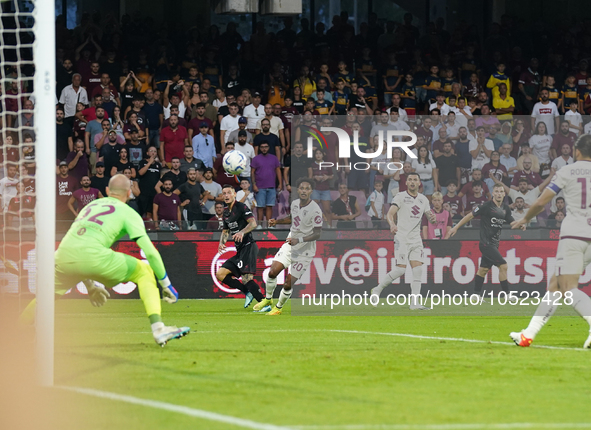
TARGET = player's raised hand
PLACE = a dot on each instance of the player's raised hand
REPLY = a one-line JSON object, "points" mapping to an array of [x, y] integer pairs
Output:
{"points": [[238, 237]]}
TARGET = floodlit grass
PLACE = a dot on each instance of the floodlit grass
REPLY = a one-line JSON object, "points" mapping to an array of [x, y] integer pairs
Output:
{"points": [[297, 371]]}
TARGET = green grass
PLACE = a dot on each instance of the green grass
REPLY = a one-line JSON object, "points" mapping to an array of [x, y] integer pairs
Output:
{"points": [[294, 371]]}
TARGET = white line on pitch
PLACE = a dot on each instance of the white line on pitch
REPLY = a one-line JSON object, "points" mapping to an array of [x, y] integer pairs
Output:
{"points": [[185, 410], [453, 339], [497, 426]]}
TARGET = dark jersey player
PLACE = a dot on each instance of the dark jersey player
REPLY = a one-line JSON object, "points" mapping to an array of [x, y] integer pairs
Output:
{"points": [[493, 214], [239, 222]]}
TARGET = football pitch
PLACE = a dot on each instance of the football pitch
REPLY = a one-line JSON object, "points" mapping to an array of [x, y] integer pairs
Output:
{"points": [[238, 369]]}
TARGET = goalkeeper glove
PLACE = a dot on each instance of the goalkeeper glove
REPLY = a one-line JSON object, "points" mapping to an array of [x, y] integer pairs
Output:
{"points": [[169, 294], [98, 295]]}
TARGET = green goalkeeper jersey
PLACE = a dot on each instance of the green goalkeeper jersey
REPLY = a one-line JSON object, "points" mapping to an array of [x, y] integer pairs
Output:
{"points": [[100, 224]]}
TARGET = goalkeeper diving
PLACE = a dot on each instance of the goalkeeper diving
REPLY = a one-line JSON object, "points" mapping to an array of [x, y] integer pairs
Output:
{"points": [[85, 255]]}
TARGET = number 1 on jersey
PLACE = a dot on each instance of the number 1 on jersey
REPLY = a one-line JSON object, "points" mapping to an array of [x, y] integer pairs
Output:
{"points": [[583, 182]]}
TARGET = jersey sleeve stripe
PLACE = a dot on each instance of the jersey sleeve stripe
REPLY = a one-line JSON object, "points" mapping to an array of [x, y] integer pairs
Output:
{"points": [[552, 186]]}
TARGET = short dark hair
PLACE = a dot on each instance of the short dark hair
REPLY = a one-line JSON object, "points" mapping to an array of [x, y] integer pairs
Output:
{"points": [[413, 174], [476, 184], [583, 144], [560, 198], [498, 185], [307, 180], [227, 186], [172, 159], [451, 181], [523, 180], [220, 203]]}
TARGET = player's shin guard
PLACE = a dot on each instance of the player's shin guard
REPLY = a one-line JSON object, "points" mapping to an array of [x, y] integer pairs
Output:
{"points": [[544, 312], [283, 297], [581, 303], [270, 287], [415, 285], [232, 282], [254, 289], [478, 283], [143, 277]]}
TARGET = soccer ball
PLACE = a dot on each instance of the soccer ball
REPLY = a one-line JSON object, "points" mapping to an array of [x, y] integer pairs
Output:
{"points": [[234, 162]]}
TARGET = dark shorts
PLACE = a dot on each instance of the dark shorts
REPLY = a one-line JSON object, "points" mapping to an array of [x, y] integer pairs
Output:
{"points": [[490, 256], [244, 262]]}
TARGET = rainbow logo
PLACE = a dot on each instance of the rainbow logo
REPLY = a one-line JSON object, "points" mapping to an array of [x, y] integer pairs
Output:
{"points": [[319, 137]]}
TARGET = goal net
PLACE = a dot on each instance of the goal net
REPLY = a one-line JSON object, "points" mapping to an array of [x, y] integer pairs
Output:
{"points": [[27, 164]]}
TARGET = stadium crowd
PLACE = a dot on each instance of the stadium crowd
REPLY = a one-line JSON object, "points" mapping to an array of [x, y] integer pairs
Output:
{"points": [[162, 105]]}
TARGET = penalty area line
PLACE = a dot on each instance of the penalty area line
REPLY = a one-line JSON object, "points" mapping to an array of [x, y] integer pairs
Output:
{"points": [[454, 339], [185, 410]]}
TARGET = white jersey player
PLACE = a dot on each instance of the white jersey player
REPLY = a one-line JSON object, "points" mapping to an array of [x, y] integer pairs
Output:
{"points": [[574, 246], [408, 245], [299, 248]]}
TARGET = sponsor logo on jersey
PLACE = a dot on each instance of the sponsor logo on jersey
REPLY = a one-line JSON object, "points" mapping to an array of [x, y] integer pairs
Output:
{"points": [[415, 210]]}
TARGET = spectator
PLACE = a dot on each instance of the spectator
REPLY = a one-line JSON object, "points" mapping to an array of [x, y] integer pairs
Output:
{"points": [[92, 80], [442, 227], [78, 161], [248, 151], [345, 209], [481, 148], [154, 116], [377, 208], [462, 150], [540, 143], [175, 175], [228, 124], [216, 222], [213, 191], [265, 171], [322, 177], [476, 198], [494, 168], [83, 196], [167, 208], [73, 94], [498, 78], [89, 113], [192, 197], [211, 112], [66, 185], [204, 145], [560, 207], [564, 136], [99, 180], [527, 152], [109, 153], [123, 163], [245, 196], [22, 205], [8, 186], [504, 104], [26, 119], [575, 119], [271, 139], [528, 193], [173, 100], [135, 191], [468, 189], [220, 98], [533, 178], [565, 158], [149, 174], [105, 84], [241, 126], [427, 170], [519, 209], [453, 200], [298, 168], [547, 112], [448, 168], [507, 160], [189, 161], [275, 125], [174, 110], [383, 125], [134, 123], [254, 112], [63, 135], [173, 140], [439, 143], [101, 139], [92, 129], [198, 119]]}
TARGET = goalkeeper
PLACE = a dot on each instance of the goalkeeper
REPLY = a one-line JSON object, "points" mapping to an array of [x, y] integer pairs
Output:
{"points": [[85, 255]]}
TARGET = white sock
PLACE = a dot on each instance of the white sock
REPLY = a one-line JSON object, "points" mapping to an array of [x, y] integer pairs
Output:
{"points": [[157, 326], [415, 285], [582, 304], [390, 277], [283, 297], [270, 287], [544, 312]]}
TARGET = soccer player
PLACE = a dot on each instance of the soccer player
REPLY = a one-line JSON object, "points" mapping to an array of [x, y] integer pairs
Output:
{"points": [[493, 214], [574, 247], [410, 207], [85, 254], [299, 248], [239, 221]]}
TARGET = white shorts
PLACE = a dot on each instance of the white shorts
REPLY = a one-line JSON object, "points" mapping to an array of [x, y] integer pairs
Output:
{"points": [[297, 265], [572, 256], [405, 252]]}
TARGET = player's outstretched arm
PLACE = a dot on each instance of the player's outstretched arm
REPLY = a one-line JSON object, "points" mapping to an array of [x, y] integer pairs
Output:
{"points": [[223, 239], [153, 256], [431, 217], [534, 209], [463, 221], [273, 222]]}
